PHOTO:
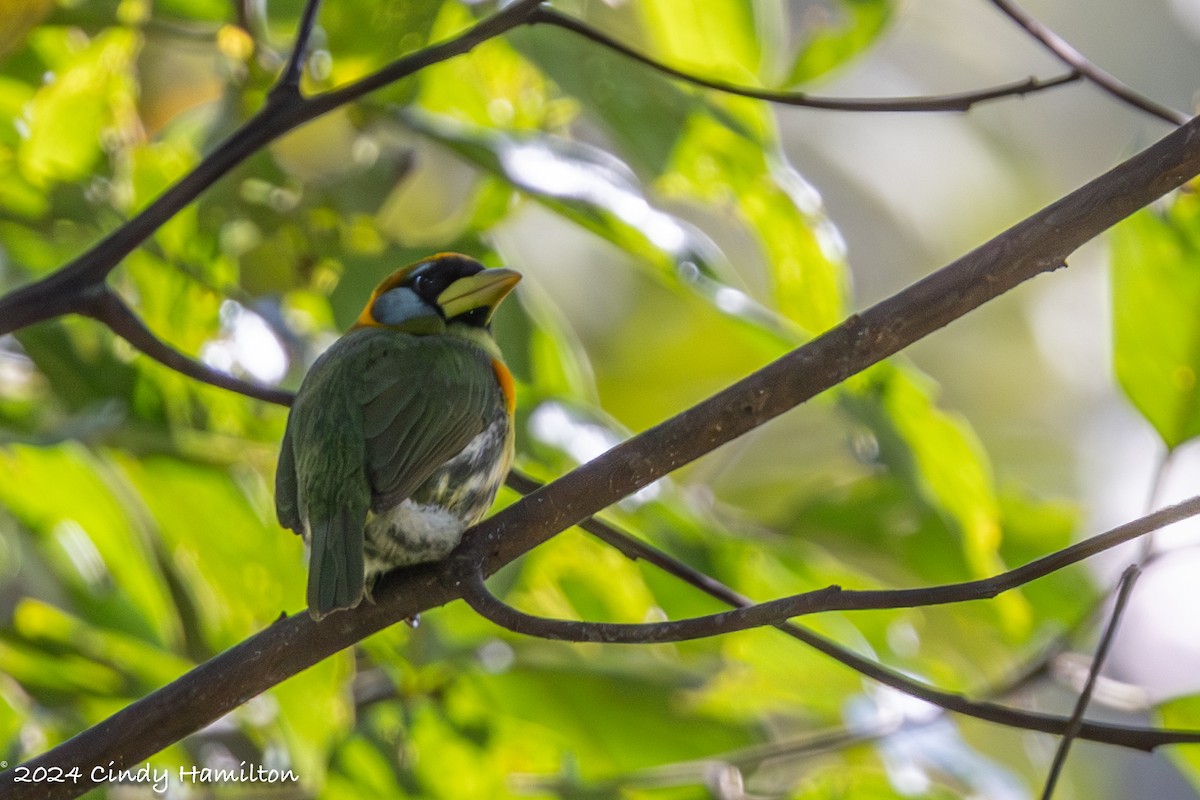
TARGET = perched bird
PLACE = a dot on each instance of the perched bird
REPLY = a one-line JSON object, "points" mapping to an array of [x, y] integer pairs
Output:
{"points": [[401, 433]]}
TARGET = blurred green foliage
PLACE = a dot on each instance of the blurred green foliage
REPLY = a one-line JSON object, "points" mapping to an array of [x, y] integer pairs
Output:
{"points": [[135, 504]]}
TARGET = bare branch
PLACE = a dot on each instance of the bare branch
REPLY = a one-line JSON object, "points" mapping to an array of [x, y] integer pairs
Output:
{"points": [[636, 549], [475, 592], [773, 612], [1066, 53], [107, 306], [1128, 579], [960, 101], [289, 79]]}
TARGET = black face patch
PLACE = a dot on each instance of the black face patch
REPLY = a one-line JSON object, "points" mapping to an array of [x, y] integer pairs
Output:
{"points": [[430, 279]]}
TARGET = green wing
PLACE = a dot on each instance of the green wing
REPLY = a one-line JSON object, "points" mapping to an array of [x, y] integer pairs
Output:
{"points": [[286, 499], [375, 416], [414, 425], [320, 487]]}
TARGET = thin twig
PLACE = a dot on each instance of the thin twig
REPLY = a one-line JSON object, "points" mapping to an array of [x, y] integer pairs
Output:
{"points": [[1128, 579], [773, 612], [108, 307], [1037, 666], [1066, 53], [470, 582], [960, 101], [1124, 589], [637, 549], [289, 78]]}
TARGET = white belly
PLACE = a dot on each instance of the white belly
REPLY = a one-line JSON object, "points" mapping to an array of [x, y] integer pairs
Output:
{"points": [[409, 533], [429, 524]]}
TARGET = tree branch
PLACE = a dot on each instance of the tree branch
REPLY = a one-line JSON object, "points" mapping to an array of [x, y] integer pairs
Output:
{"points": [[1038, 244], [64, 291], [475, 592], [635, 548], [106, 306], [773, 612], [1128, 579], [1066, 53], [289, 79], [961, 101]]}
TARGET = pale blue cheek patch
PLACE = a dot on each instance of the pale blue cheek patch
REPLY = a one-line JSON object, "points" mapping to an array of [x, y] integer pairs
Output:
{"points": [[400, 306]]}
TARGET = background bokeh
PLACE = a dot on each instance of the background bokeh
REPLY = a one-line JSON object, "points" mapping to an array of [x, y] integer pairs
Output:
{"points": [[673, 240]]}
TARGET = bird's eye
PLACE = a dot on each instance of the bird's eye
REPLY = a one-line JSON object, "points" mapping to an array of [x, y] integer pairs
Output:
{"points": [[422, 284]]}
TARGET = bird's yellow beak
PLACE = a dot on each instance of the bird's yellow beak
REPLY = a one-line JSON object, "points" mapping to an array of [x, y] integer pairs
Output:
{"points": [[482, 290]]}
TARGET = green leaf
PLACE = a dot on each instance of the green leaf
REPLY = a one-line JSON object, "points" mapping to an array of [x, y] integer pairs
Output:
{"points": [[91, 93], [90, 537], [147, 665], [1036, 526], [15, 718], [831, 39], [1184, 714], [76, 358], [592, 713], [937, 452], [492, 85], [741, 178], [315, 713], [1156, 330], [711, 39], [642, 111], [57, 677], [943, 462], [363, 35], [241, 569], [363, 770]]}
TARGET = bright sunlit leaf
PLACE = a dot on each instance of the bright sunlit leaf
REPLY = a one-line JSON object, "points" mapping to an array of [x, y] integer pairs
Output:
{"points": [[717, 40], [1182, 713], [493, 85], [89, 95], [1155, 294], [735, 174]]}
